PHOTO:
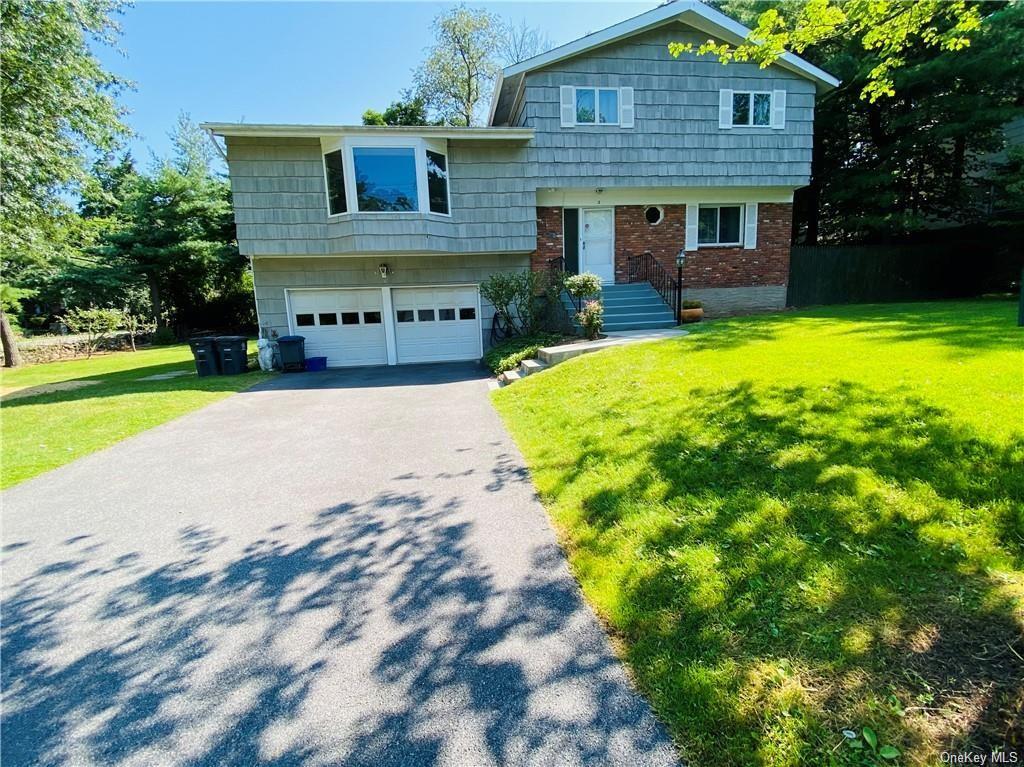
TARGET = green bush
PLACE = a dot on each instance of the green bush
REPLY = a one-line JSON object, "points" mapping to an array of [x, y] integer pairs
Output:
{"points": [[591, 319], [691, 304], [508, 354], [583, 285], [163, 337]]}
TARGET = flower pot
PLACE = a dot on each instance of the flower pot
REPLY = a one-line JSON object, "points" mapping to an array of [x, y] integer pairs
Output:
{"points": [[691, 315]]}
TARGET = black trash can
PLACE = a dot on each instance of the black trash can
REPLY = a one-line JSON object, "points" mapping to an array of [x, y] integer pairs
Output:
{"points": [[293, 353], [204, 351], [232, 353]]}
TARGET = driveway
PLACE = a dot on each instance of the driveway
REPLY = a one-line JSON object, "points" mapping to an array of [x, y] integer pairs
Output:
{"points": [[335, 568]]}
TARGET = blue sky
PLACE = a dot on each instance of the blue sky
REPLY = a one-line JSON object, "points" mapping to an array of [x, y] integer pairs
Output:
{"points": [[292, 62]]}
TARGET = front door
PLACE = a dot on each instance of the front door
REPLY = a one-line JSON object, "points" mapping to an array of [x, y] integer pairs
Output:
{"points": [[597, 242]]}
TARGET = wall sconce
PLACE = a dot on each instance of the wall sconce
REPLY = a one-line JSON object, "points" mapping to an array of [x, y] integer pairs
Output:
{"points": [[384, 270]]}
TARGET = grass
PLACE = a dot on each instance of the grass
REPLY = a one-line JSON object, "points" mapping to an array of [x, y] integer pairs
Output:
{"points": [[802, 523], [54, 426]]}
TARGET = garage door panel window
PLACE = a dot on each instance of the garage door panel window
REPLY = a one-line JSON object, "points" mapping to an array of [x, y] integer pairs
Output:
{"points": [[405, 315], [446, 315], [426, 315], [467, 313], [371, 318], [350, 318], [304, 320], [329, 318]]}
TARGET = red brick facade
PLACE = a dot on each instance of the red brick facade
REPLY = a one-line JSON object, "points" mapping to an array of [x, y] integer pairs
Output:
{"points": [[767, 264]]}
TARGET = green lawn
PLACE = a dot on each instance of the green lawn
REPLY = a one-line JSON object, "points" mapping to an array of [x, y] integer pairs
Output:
{"points": [[801, 523], [48, 429]]}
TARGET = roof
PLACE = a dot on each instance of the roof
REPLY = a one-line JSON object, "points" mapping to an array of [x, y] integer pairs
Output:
{"points": [[690, 12], [316, 131]]}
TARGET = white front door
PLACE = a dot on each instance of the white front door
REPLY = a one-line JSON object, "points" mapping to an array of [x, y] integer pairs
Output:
{"points": [[597, 242], [437, 324], [344, 325]]}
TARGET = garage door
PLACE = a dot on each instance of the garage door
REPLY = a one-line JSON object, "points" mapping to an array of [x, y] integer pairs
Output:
{"points": [[436, 324], [345, 326]]}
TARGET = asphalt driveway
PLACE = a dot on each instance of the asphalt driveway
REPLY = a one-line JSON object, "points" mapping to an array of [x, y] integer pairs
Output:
{"points": [[338, 568]]}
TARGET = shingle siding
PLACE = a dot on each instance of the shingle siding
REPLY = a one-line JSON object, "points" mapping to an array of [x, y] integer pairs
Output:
{"points": [[676, 140], [281, 208]]}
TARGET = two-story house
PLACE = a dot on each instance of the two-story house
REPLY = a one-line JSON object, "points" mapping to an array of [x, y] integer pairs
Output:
{"points": [[372, 241]]}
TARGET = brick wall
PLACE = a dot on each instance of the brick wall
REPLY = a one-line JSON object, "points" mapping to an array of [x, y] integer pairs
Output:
{"points": [[767, 264], [549, 238]]}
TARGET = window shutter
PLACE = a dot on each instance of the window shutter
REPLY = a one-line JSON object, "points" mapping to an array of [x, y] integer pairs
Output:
{"points": [[778, 109], [725, 108], [750, 226], [568, 103], [626, 111], [691, 226]]}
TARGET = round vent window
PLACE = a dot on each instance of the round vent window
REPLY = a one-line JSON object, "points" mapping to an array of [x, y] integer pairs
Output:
{"points": [[653, 214]]}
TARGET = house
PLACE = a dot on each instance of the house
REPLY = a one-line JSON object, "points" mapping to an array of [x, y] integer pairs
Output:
{"points": [[605, 155]]}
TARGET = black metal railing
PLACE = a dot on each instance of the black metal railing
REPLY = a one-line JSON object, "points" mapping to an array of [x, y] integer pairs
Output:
{"points": [[556, 275], [646, 268]]}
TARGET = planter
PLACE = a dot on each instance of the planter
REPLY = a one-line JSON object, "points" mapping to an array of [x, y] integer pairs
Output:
{"points": [[691, 315]]}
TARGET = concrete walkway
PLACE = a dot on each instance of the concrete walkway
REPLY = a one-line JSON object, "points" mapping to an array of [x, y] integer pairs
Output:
{"points": [[336, 568]]}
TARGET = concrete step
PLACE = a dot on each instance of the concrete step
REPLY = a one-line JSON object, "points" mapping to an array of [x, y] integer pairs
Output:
{"points": [[614, 327], [529, 367], [509, 376]]}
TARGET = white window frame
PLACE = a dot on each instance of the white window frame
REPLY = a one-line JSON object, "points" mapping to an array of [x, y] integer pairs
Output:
{"points": [[597, 105], [419, 146], [718, 224], [750, 108]]}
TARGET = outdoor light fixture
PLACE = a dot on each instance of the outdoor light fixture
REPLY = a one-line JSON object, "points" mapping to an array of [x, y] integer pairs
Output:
{"points": [[384, 270], [680, 263], [681, 258]]}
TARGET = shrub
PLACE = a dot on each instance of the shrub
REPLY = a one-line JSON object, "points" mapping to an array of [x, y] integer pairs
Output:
{"points": [[94, 324], [583, 285], [693, 304], [591, 318], [514, 298], [163, 337], [508, 355]]}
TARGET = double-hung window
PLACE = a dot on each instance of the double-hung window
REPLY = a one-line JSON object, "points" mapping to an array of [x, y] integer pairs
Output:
{"points": [[387, 176], [751, 108], [720, 225]]}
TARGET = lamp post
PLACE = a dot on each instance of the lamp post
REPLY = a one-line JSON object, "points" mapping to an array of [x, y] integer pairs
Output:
{"points": [[680, 263]]}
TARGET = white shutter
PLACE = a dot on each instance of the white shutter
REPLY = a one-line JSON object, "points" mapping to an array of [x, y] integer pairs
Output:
{"points": [[750, 226], [568, 104], [778, 109], [626, 110], [725, 108], [691, 226]]}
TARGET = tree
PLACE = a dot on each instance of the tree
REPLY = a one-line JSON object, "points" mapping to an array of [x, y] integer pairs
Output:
{"points": [[10, 298], [56, 104], [518, 42], [94, 323], [410, 109], [193, 151], [890, 29], [460, 68]]}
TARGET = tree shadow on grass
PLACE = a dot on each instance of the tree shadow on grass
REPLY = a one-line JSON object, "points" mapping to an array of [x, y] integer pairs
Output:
{"points": [[371, 633], [801, 555]]}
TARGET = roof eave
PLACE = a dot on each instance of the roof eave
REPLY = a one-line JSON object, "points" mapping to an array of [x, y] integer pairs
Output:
{"points": [[316, 131]]}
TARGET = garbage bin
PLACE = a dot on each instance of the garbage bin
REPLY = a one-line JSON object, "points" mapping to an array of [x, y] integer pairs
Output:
{"points": [[204, 352], [232, 353], [293, 353]]}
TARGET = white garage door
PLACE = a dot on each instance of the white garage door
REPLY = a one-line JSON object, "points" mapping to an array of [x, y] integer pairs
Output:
{"points": [[345, 326], [436, 324]]}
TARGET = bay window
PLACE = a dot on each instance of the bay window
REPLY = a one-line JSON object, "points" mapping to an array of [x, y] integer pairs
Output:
{"points": [[386, 175]]}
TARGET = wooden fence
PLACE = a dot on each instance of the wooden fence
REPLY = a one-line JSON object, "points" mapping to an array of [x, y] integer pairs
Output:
{"points": [[846, 274]]}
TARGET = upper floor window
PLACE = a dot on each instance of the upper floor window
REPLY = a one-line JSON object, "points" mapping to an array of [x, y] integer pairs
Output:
{"points": [[386, 178], [387, 175], [586, 105], [597, 105], [751, 109], [335, 172], [719, 224]]}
